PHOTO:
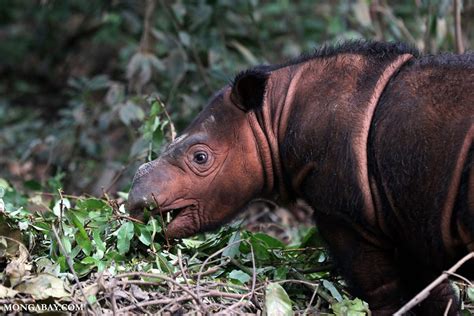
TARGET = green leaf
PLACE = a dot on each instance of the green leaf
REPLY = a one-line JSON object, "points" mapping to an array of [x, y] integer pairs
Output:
{"points": [[239, 275], [89, 261], [312, 239], [233, 250], [84, 243], [163, 263], [348, 307], [260, 250], [66, 244], [92, 299], [90, 204], [269, 241], [277, 301], [470, 294], [191, 243], [61, 206], [130, 112], [145, 235], [81, 236], [32, 185], [124, 236], [280, 273], [334, 292], [99, 243]]}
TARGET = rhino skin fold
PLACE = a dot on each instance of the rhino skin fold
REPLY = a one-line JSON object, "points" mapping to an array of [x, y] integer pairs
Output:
{"points": [[373, 136]]}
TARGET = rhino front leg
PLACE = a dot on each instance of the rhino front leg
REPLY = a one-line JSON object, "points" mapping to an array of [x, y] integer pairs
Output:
{"points": [[370, 270]]}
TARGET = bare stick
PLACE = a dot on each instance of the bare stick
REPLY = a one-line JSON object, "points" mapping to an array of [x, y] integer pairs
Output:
{"points": [[426, 291], [181, 299], [181, 266], [162, 277], [448, 306], [61, 210], [172, 128], [328, 298], [162, 221], [457, 26], [306, 312], [387, 12], [145, 43], [377, 20], [254, 274], [459, 277], [71, 267]]}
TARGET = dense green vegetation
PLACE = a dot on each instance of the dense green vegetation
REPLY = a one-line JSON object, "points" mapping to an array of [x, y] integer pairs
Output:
{"points": [[91, 89]]}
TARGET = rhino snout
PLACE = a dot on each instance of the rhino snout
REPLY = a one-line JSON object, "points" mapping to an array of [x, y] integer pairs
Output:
{"points": [[140, 197]]}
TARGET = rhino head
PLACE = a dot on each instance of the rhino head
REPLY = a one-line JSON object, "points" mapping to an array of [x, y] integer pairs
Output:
{"points": [[213, 169]]}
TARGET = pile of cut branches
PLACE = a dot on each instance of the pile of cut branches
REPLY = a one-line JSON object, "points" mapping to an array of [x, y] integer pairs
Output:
{"points": [[87, 251]]}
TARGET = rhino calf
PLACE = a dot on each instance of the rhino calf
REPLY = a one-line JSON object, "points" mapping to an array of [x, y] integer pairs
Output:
{"points": [[377, 139]]}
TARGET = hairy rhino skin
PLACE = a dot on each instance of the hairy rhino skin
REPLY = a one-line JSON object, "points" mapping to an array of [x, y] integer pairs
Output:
{"points": [[377, 139]]}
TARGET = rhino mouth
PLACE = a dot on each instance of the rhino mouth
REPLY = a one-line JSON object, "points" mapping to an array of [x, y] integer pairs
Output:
{"points": [[183, 218]]}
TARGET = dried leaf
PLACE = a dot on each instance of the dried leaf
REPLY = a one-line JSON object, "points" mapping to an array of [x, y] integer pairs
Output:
{"points": [[43, 286], [6, 292]]}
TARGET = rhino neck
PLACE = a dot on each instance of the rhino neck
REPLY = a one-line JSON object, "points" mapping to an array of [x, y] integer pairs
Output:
{"points": [[269, 126], [332, 102]]}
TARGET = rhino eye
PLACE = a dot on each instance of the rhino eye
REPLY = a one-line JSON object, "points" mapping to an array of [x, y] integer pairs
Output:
{"points": [[200, 157]]}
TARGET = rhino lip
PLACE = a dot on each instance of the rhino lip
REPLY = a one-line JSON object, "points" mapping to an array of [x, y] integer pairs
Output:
{"points": [[174, 208], [180, 205]]}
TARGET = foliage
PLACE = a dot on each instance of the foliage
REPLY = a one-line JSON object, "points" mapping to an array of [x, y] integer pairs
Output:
{"points": [[81, 236]]}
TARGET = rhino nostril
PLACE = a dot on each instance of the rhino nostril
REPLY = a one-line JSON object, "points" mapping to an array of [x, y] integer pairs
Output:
{"points": [[136, 201]]}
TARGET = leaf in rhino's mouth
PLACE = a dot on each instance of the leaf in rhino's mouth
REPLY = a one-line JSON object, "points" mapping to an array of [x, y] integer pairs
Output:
{"points": [[173, 213], [179, 219], [169, 213]]}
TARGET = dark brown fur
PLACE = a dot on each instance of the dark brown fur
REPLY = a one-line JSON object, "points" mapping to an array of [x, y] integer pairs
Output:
{"points": [[392, 188]]}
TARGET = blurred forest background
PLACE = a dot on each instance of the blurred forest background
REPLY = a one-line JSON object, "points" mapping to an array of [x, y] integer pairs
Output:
{"points": [[76, 76]]}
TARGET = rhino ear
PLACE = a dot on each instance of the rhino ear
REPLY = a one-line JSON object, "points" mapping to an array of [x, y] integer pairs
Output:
{"points": [[248, 89]]}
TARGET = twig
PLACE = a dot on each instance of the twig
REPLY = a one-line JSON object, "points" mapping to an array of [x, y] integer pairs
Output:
{"points": [[426, 291], [61, 210], [448, 306], [145, 42], [389, 14], [241, 266], [254, 274], [306, 312], [328, 298], [120, 216], [162, 277], [162, 221], [181, 267], [181, 299], [220, 284], [154, 302], [168, 117], [114, 302], [322, 268], [459, 277], [198, 281], [457, 26], [71, 267], [75, 197], [377, 20]]}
